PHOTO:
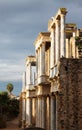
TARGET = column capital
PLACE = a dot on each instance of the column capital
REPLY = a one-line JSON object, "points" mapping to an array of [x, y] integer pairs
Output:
{"points": [[63, 11]]}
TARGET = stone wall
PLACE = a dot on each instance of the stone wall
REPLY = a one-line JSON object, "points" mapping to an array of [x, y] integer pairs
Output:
{"points": [[70, 95]]}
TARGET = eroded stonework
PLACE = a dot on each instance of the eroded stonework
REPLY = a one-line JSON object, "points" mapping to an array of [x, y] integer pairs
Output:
{"points": [[51, 96]]}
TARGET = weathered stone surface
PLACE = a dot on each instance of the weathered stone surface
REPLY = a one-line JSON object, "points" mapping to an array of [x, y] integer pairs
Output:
{"points": [[70, 107]]}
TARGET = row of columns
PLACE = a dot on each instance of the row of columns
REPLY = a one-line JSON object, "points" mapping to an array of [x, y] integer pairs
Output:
{"points": [[39, 111], [58, 38], [46, 112], [28, 111], [71, 48]]}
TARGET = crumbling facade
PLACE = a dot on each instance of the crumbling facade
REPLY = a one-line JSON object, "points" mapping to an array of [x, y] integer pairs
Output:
{"points": [[53, 99]]}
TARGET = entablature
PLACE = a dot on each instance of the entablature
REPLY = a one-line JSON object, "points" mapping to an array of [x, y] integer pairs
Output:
{"points": [[31, 59], [43, 37]]}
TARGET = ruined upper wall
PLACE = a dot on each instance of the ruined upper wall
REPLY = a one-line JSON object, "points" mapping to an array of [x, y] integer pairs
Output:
{"points": [[70, 96]]}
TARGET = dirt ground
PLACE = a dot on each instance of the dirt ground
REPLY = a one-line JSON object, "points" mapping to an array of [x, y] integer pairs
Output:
{"points": [[12, 125]]}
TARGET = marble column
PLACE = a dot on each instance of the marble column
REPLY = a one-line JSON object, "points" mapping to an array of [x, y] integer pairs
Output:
{"points": [[48, 113], [43, 124], [36, 64], [24, 82], [36, 112], [38, 61], [42, 59], [29, 111], [63, 37], [23, 112], [53, 113], [39, 112], [28, 75], [57, 37], [57, 113], [67, 49], [52, 52], [33, 110]]}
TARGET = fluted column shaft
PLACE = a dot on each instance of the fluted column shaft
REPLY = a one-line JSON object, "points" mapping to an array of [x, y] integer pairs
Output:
{"points": [[28, 75], [52, 52], [36, 112], [38, 61], [42, 59], [33, 110], [57, 49], [43, 124], [62, 51], [24, 81], [48, 113], [53, 113], [29, 111], [40, 112], [23, 109]]}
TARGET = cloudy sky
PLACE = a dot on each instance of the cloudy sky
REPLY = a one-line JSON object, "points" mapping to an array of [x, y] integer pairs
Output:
{"points": [[20, 23]]}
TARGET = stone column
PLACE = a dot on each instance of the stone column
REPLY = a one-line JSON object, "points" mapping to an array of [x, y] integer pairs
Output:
{"points": [[48, 113], [36, 112], [42, 59], [62, 45], [38, 61], [53, 113], [23, 112], [43, 124], [57, 113], [29, 111], [52, 53], [57, 49], [24, 82], [28, 75], [67, 49], [39, 112], [33, 110]]}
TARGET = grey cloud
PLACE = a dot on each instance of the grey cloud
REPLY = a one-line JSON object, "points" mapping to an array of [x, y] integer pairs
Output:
{"points": [[22, 20]]}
